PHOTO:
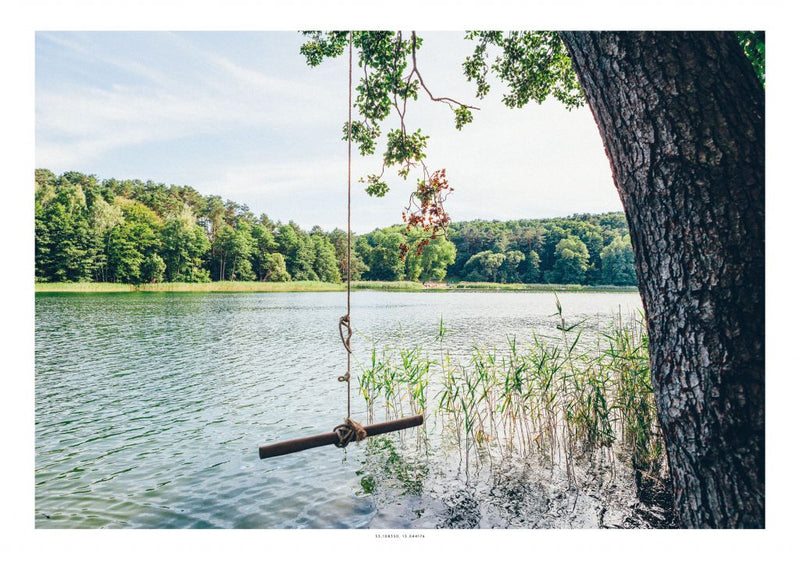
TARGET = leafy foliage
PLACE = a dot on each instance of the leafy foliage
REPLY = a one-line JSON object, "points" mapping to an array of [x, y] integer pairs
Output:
{"points": [[389, 78], [530, 250], [753, 44], [137, 232], [617, 260], [103, 231], [534, 65], [572, 260], [484, 266]]}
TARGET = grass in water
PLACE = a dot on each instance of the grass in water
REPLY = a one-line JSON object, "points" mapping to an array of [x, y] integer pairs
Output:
{"points": [[561, 397]]}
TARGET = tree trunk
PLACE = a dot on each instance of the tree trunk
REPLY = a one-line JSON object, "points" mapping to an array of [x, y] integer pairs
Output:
{"points": [[681, 116]]}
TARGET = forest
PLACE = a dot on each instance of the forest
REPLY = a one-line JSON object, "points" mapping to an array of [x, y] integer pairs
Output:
{"points": [[133, 232]]}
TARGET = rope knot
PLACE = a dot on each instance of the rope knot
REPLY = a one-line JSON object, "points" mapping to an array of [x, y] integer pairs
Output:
{"points": [[344, 323], [348, 431]]}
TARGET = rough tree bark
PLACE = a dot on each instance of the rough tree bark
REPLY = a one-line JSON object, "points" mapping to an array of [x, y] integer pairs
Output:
{"points": [[681, 116]]}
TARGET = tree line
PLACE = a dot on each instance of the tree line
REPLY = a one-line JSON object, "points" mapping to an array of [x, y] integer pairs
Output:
{"points": [[136, 232], [588, 249]]}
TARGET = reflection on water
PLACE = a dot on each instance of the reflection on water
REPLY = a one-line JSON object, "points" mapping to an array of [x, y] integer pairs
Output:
{"points": [[150, 409]]}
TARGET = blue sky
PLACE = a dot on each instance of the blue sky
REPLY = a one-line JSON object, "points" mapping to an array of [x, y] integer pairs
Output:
{"points": [[240, 115]]}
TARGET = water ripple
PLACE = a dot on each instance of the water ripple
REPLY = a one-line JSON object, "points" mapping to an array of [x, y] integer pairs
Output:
{"points": [[150, 407]]}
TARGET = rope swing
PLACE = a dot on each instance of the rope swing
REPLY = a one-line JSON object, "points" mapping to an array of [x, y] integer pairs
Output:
{"points": [[349, 430]]}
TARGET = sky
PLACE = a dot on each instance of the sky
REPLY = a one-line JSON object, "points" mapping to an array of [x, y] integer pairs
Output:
{"points": [[241, 115]]}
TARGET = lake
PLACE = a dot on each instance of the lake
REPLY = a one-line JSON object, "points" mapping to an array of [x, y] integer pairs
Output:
{"points": [[150, 408]]}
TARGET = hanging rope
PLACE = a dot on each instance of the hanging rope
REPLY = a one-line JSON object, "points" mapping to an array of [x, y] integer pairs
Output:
{"points": [[349, 430]]}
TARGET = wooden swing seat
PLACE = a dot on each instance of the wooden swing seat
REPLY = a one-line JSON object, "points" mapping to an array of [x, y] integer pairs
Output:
{"points": [[300, 444]]}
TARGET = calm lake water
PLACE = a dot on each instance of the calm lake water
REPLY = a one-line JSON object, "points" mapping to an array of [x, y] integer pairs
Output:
{"points": [[150, 409]]}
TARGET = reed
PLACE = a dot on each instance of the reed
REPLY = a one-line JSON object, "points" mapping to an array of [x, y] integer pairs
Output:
{"points": [[560, 397], [368, 382], [415, 377], [626, 355]]}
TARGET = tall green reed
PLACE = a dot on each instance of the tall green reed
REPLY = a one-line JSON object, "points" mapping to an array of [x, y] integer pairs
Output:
{"points": [[560, 396]]}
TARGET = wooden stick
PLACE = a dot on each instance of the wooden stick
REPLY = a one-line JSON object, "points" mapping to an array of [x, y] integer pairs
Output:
{"points": [[300, 444]]}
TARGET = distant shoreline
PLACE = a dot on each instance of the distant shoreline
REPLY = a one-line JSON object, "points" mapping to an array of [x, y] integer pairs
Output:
{"points": [[310, 286]]}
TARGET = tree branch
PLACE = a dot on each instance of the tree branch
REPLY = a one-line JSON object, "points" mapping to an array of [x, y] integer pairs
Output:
{"points": [[415, 71]]}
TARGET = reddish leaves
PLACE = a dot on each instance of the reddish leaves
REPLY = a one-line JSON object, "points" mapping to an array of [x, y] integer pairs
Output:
{"points": [[426, 212]]}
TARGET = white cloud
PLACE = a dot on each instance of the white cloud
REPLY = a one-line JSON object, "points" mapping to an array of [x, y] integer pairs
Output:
{"points": [[78, 123]]}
